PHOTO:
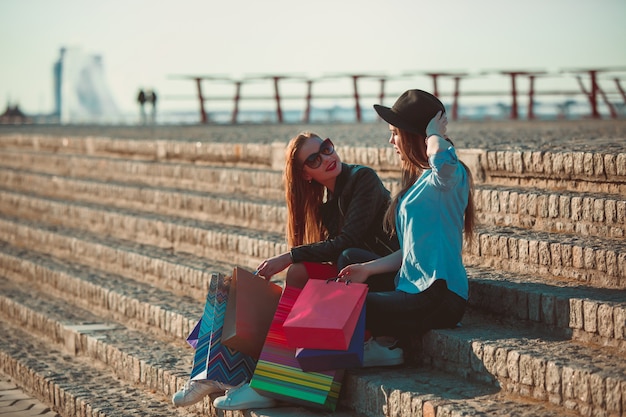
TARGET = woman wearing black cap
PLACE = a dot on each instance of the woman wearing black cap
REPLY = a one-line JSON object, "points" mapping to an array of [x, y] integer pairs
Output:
{"points": [[430, 215]]}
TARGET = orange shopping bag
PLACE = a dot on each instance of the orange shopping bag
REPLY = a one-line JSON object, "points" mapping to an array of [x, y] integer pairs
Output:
{"points": [[252, 302]]}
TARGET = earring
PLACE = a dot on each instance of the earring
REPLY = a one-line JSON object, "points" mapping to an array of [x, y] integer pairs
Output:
{"points": [[309, 181]]}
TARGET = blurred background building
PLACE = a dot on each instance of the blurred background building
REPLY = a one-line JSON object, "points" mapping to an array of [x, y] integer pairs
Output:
{"points": [[81, 93]]}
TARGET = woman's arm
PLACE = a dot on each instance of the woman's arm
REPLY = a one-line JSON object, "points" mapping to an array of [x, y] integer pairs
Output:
{"points": [[435, 131], [360, 272], [442, 157], [274, 265], [366, 196]]}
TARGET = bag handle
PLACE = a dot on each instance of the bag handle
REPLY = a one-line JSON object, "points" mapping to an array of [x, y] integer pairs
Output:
{"points": [[336, 279]]}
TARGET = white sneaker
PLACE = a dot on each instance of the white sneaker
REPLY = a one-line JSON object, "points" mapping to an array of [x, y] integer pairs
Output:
{"points": [[242, 398], [195, 391], [374, 354]]}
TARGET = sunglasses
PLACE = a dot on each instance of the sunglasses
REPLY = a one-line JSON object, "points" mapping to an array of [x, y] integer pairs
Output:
{"points": [[315, 159]]}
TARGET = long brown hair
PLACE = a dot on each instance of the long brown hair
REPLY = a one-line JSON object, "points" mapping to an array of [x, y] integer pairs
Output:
{"points": [[304, 198], [415, 161]]}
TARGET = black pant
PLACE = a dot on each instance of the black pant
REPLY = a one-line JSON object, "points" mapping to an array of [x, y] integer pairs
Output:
{"points": [[396, 313], [376, 283]]}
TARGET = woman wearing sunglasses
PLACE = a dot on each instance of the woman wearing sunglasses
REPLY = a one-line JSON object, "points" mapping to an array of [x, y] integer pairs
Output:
{"points": [[331, 207]]}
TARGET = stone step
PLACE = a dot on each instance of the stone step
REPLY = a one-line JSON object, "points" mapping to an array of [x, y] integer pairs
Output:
{"points": [[602, 215], [499, 162], [579, 171], [534, 364], [586, 259], [226, 245], [190, 151], [215, 241], [161, 366], [204, 151], [71, 385], [584, 214], [594, 172], [111, 372], [112, 296], [86, 332], [248, 211], [584, 313], [568, 309], [182, 273], [557, 304], [14, 402], [422, 391], [263, 182], [184, 176], [478, 350]]}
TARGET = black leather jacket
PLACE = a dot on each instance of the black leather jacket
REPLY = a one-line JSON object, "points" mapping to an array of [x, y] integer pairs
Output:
{"points": [[353, 216]]}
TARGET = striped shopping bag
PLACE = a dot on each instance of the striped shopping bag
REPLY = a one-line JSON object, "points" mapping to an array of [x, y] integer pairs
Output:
{"points": [[278, 373], [212, 360]]}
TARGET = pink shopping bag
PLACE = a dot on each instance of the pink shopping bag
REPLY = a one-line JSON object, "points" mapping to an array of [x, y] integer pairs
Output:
{"points": [[325, 315], [313, 360]]}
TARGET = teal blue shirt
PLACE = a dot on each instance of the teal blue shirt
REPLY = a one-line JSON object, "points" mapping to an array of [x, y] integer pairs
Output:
{"points": [[429, 222]]}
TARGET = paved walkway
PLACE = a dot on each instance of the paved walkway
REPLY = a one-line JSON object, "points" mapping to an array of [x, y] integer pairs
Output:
{"points": [[605, 136], [16, 403]]}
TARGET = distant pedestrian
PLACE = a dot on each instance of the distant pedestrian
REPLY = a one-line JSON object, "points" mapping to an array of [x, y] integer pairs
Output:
{"points": [[152, 99], [141, 99]]}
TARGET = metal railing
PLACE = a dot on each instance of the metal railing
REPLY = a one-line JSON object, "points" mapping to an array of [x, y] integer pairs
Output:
{"points": [[589, 88]]}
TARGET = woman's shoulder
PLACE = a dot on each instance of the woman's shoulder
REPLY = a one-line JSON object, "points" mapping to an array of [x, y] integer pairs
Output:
{"points": [[360, 176], [360, 170]]}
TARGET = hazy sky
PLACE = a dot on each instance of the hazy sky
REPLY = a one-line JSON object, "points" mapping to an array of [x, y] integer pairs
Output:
{"points": [[144, 42]]}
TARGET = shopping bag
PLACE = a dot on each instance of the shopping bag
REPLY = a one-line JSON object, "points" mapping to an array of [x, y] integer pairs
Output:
{"points": [[278, 373], [252, 302], [322, 360], [325, 315], [212, 360]]}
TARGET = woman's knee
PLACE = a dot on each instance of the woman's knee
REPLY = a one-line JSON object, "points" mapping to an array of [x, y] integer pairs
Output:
{"points": [[297, 276], [447, 315]]}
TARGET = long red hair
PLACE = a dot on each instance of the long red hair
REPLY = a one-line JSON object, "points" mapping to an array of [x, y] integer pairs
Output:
{"points": [[304, 198]]}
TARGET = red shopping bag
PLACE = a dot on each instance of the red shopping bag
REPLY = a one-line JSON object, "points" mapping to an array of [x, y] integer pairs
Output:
{"points": [[325, 315], [312, 360]]}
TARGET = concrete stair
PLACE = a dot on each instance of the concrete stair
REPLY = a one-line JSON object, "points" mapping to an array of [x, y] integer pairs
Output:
{"points": [[106, 247]]}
